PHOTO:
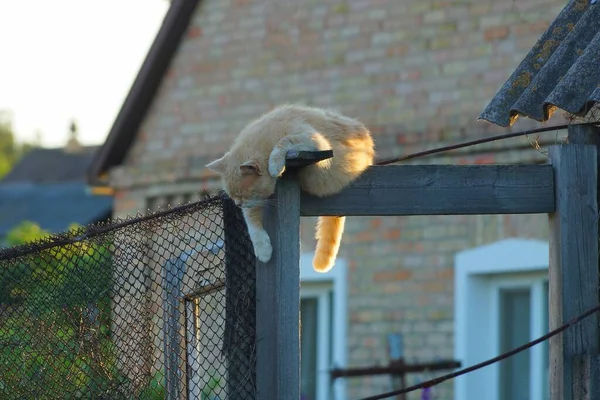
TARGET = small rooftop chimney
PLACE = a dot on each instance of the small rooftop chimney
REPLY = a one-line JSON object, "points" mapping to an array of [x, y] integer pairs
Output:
{"points": [[73, 145]]}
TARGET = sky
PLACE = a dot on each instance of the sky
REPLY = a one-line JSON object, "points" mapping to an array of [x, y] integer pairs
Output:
{"points": [[71, 59]]}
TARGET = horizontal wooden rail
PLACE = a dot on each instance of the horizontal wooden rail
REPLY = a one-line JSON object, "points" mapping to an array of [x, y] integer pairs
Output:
{"points": [[441, 190]]}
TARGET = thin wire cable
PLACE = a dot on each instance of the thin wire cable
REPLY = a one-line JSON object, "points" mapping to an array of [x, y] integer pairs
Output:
{"points": [[478, 141], [443, 378]]}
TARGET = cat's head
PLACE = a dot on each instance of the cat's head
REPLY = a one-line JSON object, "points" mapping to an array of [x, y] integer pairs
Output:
{"points": [[246, 181]]}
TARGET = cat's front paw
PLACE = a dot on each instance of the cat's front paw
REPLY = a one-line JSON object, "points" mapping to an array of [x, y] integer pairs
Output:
{"points": [[276, 166], [262, 246]]}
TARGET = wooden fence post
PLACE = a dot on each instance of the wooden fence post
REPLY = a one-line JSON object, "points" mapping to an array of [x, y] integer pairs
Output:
{"points": [[573, 280], [278, 287], [173, 272], [278, 299]]}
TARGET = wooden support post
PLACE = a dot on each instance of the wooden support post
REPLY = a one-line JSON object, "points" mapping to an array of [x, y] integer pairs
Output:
{"points": [[278, 289], [278, 299], [574, 273], [173, 271], [192, 346]]}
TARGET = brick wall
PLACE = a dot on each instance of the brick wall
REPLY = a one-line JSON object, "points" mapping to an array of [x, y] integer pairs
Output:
{"points": [[417, 72]]}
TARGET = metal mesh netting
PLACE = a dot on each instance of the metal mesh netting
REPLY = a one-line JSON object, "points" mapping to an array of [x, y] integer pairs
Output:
{"points": [[155, 307]]}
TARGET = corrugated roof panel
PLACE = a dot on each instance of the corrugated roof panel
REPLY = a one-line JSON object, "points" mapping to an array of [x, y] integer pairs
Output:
{"points": [[561, 70]]}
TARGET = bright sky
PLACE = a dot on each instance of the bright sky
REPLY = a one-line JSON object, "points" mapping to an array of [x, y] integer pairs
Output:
{"points": [[64, 59]]}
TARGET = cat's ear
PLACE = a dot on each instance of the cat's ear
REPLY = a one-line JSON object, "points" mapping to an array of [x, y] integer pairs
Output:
{"points": [[250, 168], [217, 165]]}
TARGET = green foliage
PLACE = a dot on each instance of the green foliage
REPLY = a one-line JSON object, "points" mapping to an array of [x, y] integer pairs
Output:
{"points": [[25, 232], [212, 387], [10, 150], [55, 327], [155, 389]]}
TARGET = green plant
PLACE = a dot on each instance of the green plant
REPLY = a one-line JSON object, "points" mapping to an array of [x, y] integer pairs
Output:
{"points": [[155, 390], [55, 339], [212, 388]]}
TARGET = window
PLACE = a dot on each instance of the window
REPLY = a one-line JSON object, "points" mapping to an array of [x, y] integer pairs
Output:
{"points": [[323, 329], [501, 303]]}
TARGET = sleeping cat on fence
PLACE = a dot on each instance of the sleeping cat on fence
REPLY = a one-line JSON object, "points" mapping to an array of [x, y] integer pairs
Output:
{"points": [[257, 158]]}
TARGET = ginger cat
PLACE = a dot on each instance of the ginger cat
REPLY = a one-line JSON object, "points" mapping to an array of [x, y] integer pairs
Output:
{"points": [[256, 159]]}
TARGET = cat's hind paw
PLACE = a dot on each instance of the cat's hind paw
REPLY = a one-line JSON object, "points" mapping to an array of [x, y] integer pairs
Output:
{"points": [[262, 246]]}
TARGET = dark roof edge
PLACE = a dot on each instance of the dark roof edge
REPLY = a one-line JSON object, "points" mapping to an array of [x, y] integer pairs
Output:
{"points": [[143, 89]]}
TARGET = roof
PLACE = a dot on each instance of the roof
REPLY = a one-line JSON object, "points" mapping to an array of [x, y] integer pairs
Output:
{"points": [[53, 206], [561, 70], [51, 165], [145, 85]]}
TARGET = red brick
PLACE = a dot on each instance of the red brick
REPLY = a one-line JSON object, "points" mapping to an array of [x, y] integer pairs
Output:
{"points": [[194, 32], [446, 273], [364, 236], [496, 33], [485, 159], [375, 222], [392, 234], [435, 287], [386, 276], [398, 50]]}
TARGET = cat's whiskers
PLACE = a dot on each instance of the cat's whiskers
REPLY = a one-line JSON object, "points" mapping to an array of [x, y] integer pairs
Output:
{"points": [[271, 202]]}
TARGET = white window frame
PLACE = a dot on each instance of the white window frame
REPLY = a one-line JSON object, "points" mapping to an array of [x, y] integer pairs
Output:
{"points": [[478, 279], [315, 284]]}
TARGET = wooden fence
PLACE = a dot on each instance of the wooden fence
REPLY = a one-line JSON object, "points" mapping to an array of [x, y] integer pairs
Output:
{"points": [[565, 189]]}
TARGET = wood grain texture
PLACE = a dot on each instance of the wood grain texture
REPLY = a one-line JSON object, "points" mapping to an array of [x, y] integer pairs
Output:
{"points": [[441, 190], [278, 299], [573, 268], [173, 272], [586, 377], [192, 345], [297, 159]]}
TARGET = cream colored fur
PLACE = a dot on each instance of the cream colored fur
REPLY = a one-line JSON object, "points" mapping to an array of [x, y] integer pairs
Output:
{"points": [[257, 158]]}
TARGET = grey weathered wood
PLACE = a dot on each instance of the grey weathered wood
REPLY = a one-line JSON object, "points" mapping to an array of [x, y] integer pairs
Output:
{"points": [[584, 134], [172, 277], [193, 367], [573, 268], [441, 190], [298, 159], [240, 312], [586, 377], [278, 299]]}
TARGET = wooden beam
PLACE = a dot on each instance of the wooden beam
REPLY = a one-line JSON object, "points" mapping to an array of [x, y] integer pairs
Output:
{"points": [[173, 271], [278, 298], [441, 190], [574, 273]]}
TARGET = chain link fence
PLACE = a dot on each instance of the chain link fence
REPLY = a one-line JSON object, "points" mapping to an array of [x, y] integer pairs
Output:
{"points": [[161, 306]]}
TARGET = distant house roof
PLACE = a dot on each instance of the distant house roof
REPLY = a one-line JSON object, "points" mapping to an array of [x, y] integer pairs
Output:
{"points": [[51, 165], [144, 87], [561, 70], [52, 206]]}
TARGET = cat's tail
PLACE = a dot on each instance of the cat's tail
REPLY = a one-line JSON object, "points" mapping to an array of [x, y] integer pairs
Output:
{"points": [[329, 235]]}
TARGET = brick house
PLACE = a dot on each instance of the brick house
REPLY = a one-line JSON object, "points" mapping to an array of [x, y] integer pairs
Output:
{"points": [[418, 74]]}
